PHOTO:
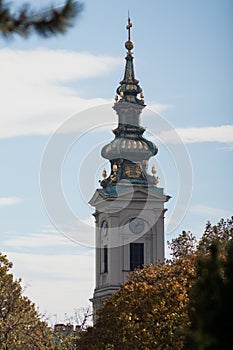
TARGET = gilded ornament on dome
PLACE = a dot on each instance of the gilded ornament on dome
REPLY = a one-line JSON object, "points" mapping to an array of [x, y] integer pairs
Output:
{"points": [[108, 149], [114, 168], [140, 146], [129, 45], [156, 180], [138, 171], [127, 170], [153, 170], [104, 174], [113, 178], [133, 171]]}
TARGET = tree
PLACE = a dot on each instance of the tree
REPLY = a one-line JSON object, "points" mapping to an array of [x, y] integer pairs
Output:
{"points": [[211, 303], [20, 325], [183, 303], [221, 232], [66, 335], [183, 245], [46, 23], [146, 312]]}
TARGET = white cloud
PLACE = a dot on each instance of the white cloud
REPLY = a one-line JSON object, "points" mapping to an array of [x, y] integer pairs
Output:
{"points": [[38, 240], [221, 134], [4, 201], [45, 65], [34, 95], [50, 236], [210, 212], [56, 283], [90, 221], [158, 107], [49, 229]]}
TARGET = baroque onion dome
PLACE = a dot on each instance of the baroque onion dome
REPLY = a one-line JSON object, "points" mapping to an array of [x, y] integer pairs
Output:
{"points": [[129, 152]]}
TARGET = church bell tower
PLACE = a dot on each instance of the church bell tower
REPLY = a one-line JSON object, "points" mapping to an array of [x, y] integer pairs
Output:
{"points": [[129, 206]]}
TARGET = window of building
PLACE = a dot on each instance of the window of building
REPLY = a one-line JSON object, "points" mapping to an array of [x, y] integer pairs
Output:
{"points": [[136, 255], [105, 258]]}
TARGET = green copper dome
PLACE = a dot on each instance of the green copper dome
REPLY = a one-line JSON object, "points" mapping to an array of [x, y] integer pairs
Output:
{"points": [[129, 144]]}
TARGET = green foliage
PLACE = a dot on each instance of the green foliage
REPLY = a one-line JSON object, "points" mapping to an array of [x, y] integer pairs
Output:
{"points": [[183, 245], [68, 342], [222, 232], [211, 304], [46, 23], [65, 336], [20, 324]]}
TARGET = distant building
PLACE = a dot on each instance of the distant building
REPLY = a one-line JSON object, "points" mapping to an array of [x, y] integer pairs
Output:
{"points": [[62, 331], [129, 208]]}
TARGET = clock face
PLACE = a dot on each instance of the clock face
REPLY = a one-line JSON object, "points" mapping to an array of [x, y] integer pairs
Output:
{"points": [[137, 225], [104, 227]]}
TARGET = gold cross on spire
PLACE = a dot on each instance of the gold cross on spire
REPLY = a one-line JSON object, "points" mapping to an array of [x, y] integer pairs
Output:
{"points": [[129, 25]]}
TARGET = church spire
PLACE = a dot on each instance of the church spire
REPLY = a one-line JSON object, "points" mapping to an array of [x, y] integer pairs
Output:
{"points": [[129, 206], [129, 87], [130, 151]]}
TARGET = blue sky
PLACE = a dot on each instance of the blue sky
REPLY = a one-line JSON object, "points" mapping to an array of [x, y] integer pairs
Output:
{"points": [[183, 59]]}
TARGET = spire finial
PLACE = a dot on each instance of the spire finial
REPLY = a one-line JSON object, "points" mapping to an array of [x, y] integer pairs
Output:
{"points": [[129, 87], [129, 44], [129, 25]]}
